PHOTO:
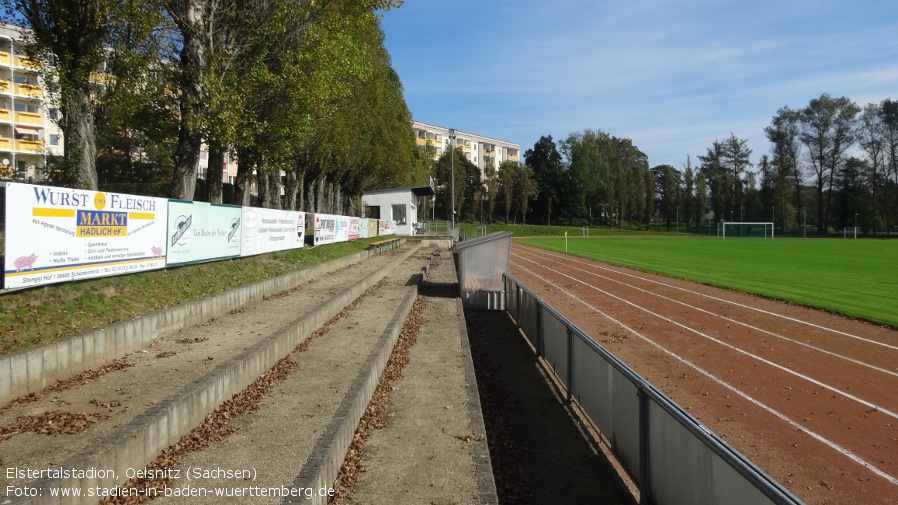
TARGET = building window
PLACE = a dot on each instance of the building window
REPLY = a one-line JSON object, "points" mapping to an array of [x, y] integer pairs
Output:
{"points": [[54, 139], [54, 114], [399, 213]]}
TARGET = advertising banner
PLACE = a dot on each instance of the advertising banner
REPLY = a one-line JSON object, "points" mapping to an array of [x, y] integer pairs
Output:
{"points": [[389, 227], [364, 231], [342, 231], [354, 232], [199, 231], [60, 234], [269, 230], [325, 229]]}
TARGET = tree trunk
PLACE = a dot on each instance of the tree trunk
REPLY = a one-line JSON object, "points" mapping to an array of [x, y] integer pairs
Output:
{"points": [[243, 182], [290, 190], [214, 174], [80, 141], [262, 186], [274, 189], [320, 199], [187, 153]]}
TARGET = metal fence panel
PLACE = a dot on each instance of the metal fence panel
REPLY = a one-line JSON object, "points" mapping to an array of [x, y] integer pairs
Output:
{"points": [[610, 399], [684, 469], [528, 313], [511, 297], [555, 339]]}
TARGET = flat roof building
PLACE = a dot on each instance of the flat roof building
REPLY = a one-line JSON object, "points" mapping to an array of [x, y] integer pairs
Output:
{"points": [[478, 149]]}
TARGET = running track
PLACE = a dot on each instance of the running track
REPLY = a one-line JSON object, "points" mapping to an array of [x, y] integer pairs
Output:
{"points": [[810, 397]]}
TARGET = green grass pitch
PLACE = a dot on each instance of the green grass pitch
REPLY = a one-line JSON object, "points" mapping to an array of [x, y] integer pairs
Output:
{"points": [[858, 278]]}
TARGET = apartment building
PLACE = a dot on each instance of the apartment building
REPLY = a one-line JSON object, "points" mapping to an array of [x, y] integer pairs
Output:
{"points": [[478, 149], [28, 133]]}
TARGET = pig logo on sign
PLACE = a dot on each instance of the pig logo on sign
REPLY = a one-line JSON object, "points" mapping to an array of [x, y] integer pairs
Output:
{"points": [[24, 262], [157, 251]]}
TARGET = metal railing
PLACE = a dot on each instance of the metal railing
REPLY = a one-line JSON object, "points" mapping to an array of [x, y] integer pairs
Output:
{"points": [[433, 227], [673, 457]]}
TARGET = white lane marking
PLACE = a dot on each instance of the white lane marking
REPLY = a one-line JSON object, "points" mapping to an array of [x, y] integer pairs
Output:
{"points": [[729, 346], [693, 307], [756, 309], [820, 438]]}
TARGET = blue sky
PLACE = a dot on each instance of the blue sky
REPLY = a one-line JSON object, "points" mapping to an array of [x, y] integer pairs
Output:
{"points": [[673, 76]]}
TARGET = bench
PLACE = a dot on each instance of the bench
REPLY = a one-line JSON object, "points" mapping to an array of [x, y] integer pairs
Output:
{"points": [[382, 245]]}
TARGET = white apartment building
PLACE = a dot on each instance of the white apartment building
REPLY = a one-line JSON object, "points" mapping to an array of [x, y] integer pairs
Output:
{"points": [[27, 130], [477, 148]]}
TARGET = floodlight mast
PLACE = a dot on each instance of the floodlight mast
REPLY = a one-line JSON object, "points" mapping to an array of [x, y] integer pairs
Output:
{"points": [[452, 165]]}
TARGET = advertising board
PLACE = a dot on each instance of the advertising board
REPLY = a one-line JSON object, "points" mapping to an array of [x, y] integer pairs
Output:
{"points": [[61, 234], [199, 231]]}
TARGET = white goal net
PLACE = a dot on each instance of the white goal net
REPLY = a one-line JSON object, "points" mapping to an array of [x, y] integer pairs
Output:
{"points": [[748, 230]]}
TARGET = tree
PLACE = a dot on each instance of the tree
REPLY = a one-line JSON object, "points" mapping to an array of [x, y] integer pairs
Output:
{"points": [[507, 177], [784, 134], [888, 114], [688, 199], [667, 185], [526, 190], [467, 176], [548, 171], [872, 134], [827, 129], [491, 182], [71, 34], [736, 159]]}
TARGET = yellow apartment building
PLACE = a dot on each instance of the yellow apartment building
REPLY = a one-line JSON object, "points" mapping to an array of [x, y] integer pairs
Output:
{"points": [[28, 133], [478, 149]]}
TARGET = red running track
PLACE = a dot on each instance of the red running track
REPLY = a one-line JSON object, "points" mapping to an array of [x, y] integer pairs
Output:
{"points": [[810, 397]]}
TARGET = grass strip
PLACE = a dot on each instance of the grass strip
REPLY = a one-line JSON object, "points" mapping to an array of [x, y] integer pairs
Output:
{"points": [[42, 314]]}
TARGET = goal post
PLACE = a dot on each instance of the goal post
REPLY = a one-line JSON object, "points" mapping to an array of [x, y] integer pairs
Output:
{"points": [[748, 229], [850, 232]]}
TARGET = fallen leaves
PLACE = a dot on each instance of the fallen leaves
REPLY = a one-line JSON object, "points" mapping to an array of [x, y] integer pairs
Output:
{"points": [[48, 423]]}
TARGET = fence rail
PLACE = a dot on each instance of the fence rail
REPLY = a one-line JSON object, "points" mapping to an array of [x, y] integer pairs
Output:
{"points": [[673, 457]]}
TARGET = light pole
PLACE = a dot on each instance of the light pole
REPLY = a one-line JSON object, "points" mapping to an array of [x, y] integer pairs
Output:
{"points": [[855, 225], [452, 164]]}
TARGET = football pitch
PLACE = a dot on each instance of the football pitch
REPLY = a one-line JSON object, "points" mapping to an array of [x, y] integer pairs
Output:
{"points": [[858, 278]]}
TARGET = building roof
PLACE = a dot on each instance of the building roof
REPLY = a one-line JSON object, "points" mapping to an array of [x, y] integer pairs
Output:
{"points": [[417, 190]]}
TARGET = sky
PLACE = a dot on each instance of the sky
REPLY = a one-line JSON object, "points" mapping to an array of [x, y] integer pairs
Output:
{"points": [[672, 75]]}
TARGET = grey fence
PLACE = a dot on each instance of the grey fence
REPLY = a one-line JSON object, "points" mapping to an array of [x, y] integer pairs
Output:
{"points": [[671, 456]]}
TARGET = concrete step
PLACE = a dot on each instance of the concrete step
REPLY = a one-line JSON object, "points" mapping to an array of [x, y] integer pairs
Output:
{"points": [[135, 412]]}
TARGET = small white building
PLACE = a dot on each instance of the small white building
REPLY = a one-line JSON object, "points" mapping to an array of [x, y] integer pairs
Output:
{"points": [[399, 205]]}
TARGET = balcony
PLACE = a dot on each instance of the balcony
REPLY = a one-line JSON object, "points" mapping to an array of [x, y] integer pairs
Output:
{"points": [[29, 145], [5, 144], [28, 90], [4, 58], [5, 114], [102, 78], [29, 118], [4, 86], [24, 61]]}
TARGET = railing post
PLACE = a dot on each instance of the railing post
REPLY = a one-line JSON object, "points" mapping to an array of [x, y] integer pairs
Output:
{"points": [[517, 316], [643, 445], [570, 366]]}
